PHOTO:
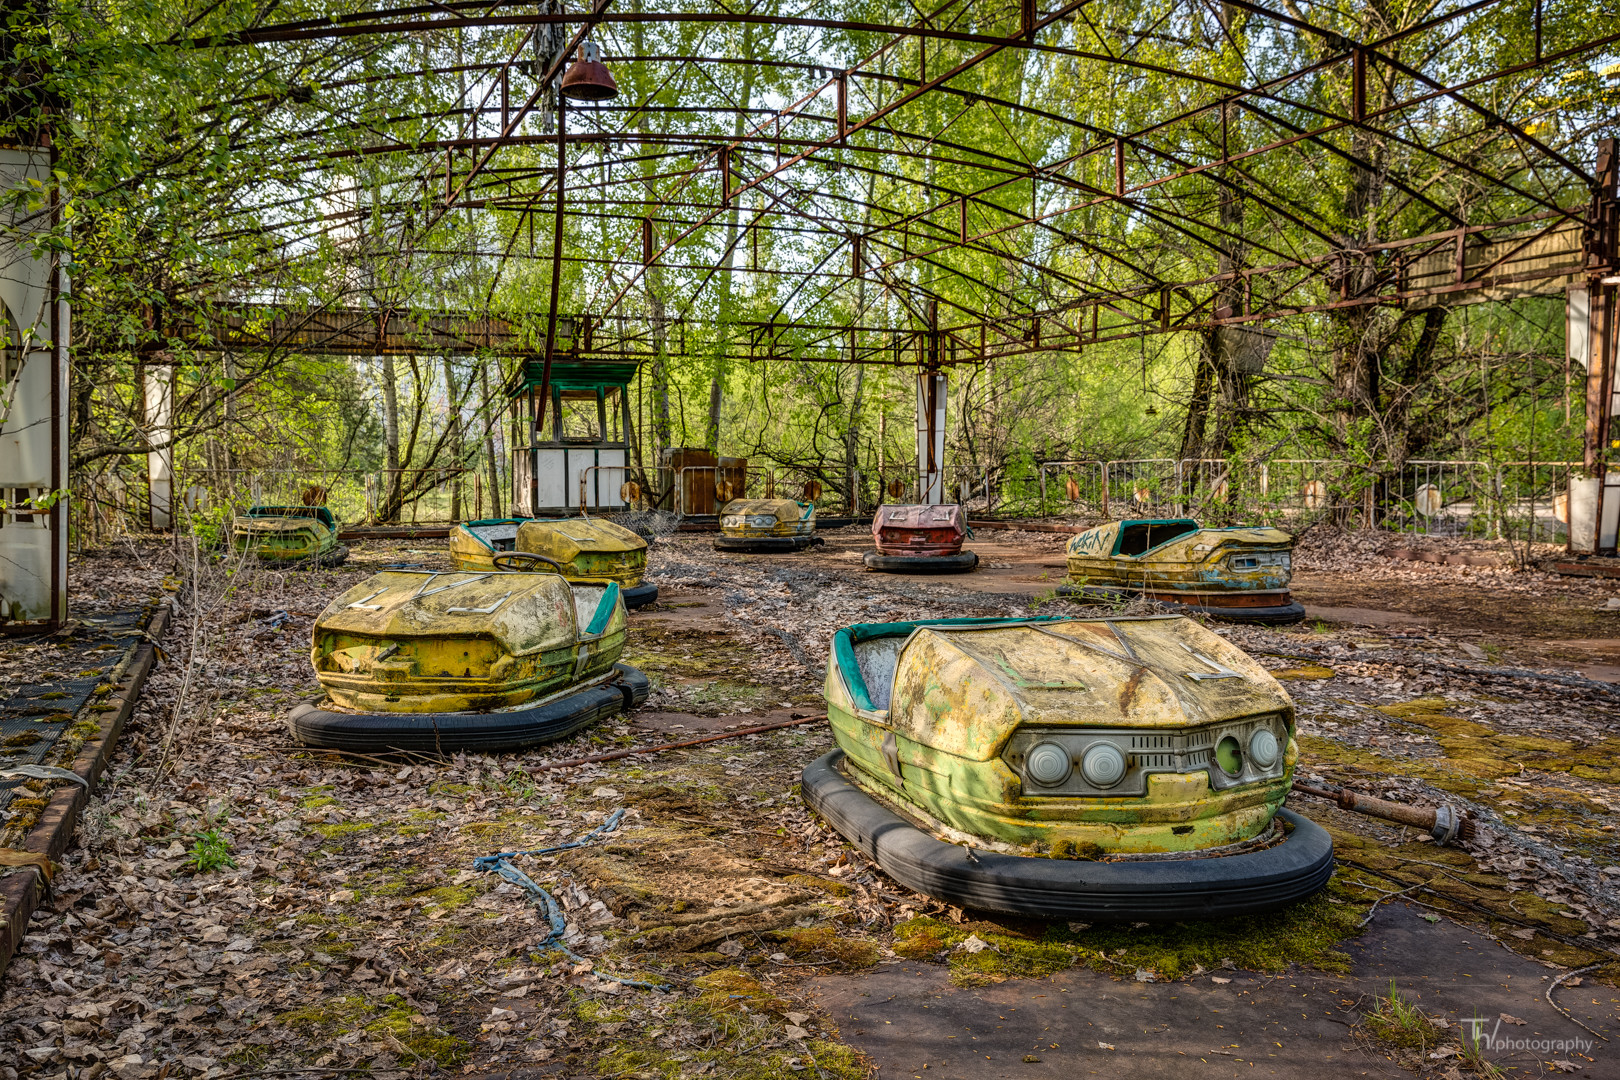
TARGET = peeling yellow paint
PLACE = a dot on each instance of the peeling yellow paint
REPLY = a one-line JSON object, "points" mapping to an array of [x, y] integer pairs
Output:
{"points": [[587, 549], [420, 642], [791, 518], [1198, 560], [960, 695]]}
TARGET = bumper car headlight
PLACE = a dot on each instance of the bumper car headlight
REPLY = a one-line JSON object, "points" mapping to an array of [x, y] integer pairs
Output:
{"points": [[1103, 765], [1048, 764], [762, 521], [733, 521], [1263, 748]]}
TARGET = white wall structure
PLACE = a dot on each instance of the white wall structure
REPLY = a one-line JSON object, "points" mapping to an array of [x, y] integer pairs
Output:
{"points": [[1590, 337], [931, 392], [159, 389], [33, 402]]}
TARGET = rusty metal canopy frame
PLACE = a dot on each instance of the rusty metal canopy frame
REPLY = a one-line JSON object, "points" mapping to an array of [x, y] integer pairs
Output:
{"points": [[888, 204]]}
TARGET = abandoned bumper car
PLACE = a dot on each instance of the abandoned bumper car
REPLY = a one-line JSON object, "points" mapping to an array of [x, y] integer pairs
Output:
{"points": [[481, 661], [1237, 574], [1098, 769], [767, 525], [586, 551], [289, 536], [920, 540]]}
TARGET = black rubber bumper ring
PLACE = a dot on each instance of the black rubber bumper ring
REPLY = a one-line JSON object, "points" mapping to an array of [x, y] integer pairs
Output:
{"points": [[1171, 890], [640, 595], [762, 545], [434, 733], [959, 563]]}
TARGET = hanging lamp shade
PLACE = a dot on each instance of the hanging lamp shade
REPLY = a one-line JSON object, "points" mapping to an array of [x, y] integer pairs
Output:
{"points": [[588, 79]]}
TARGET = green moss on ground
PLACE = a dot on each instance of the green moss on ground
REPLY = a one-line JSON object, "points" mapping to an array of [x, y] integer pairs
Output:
{"points": [[823, 943], [1305, 933], [423, 1041], [819, 1058], [1305, 672], [1478, 750], [733, 1014]]}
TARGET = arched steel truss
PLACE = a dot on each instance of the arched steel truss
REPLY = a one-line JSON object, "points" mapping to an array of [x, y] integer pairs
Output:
{"points": [[898, 275]]}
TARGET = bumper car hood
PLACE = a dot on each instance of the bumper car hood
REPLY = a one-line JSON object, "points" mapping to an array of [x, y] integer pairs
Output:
{"points": [[790, 517], [964, 688]]}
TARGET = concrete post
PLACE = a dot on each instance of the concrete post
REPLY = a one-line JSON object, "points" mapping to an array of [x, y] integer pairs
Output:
{"points": [[931, 393], [158, 387], [33, 403]]}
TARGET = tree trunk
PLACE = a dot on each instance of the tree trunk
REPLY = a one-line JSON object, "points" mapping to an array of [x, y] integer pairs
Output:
{"points": [[851, 431], [652, 278], [390, 390], [711, 432], [453, 417]]}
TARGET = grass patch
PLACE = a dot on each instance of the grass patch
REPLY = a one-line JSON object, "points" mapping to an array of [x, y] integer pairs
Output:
{"points": [[1396, 1021]]}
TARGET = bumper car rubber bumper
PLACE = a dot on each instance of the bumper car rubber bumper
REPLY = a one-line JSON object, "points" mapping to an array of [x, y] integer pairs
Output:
{"points": [[1271, 615], [1168, 890], [765, 545], [959, 563], [640, 595], [433, 733]]}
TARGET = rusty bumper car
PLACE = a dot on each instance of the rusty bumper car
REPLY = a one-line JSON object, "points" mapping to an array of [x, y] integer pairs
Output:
{"points": [[1098, 769], [920, 540], [1236, 574], [586, 551], [289, 536], [763, 526], [480, 661]]}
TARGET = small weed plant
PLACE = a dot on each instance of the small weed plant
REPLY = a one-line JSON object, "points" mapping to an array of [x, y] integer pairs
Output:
{"points": [[210, 851]]}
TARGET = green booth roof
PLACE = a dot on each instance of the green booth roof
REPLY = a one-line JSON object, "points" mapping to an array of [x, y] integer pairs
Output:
{"points": [[574, 375]]}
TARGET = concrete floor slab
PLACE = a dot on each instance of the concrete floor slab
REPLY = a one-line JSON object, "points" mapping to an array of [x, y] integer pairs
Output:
{"points": [[914, 1023]]}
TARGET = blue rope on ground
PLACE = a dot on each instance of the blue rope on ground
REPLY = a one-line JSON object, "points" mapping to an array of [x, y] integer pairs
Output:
{"points": [[501, 864]]}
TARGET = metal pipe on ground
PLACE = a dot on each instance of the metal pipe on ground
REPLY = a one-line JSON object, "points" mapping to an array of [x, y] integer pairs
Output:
{"points": [[1445, 823]]}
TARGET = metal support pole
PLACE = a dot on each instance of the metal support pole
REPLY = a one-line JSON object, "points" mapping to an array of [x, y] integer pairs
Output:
{"points": [[843, 108], [1358, 85]]}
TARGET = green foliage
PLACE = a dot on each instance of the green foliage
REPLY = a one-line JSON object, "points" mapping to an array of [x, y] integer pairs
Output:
{"points": [[194, 177], [210, 851]]}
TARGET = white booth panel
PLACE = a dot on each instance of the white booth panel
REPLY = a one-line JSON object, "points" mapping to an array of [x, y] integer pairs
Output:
{"points": [[552, 472]]}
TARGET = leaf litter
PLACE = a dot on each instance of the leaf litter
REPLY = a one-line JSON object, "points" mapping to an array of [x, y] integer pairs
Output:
{"points": [[352, 933]]}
